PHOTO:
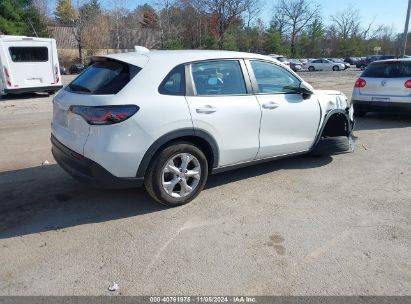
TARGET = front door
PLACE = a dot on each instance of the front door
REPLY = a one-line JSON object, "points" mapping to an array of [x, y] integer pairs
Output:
{"points": [[289, 123]]}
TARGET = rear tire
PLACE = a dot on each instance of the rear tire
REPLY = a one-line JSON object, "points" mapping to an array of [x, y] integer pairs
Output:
{"points": [[311, 68], [177, 174]]}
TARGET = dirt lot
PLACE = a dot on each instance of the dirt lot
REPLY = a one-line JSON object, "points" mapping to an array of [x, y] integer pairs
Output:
{"points": [[337, 225]]}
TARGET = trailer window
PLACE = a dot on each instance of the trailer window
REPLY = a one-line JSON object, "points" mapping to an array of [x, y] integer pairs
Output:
{"points": [[29, 53]]}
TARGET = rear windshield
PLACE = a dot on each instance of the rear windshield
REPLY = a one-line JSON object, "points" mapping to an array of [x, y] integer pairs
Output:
{"points": [[388, 69], [104, 77], [29, 53]]}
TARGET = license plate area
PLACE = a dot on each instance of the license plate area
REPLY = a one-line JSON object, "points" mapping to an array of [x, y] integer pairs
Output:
{"points": [[380, 101]]}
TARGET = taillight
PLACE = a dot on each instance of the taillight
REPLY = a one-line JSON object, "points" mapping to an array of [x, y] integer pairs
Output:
{"points": [[6, 72], [57, 73], [105, 115], [407, 84], [360, 83]]}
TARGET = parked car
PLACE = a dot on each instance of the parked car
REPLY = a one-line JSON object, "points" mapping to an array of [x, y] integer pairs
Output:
{"points": [[28, 64], [282, 59], [295, 65], [351, 60], [324, 65], [63, 70], [339, 60], [168, 119], [384, 86], [76, 68], [369, 59]]}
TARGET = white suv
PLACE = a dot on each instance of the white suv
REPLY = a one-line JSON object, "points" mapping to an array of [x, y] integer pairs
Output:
{"points": [[168, 119]]}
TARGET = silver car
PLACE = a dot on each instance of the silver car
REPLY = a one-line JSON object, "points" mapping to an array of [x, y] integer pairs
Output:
{"points": [[384, 86]]}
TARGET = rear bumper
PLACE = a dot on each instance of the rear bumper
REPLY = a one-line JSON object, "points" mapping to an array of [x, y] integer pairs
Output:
{"points": [[33, 89], [88, 171], [388, 107]]}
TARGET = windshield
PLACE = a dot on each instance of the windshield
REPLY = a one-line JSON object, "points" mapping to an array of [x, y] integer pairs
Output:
{"points": [[103, 77]]}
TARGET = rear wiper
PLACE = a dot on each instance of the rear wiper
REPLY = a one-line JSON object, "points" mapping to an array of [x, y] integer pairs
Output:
{"points": [[77, 87]]}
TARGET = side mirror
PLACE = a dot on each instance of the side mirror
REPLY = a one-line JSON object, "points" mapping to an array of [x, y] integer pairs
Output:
{"points": [[306, 90]]}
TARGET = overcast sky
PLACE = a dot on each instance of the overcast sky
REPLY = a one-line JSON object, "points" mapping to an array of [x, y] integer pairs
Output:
{"points": [[387, 12]]}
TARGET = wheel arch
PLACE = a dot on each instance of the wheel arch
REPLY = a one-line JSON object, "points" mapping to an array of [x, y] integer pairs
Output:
{"points": [[200, 138], [336, 123]]}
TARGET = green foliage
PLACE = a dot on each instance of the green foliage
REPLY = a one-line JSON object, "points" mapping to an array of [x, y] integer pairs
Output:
{"points": [[315, 36], [21, 17], [65, 13], [273, 43], [230, 42], [174, 44], [90, 10]]}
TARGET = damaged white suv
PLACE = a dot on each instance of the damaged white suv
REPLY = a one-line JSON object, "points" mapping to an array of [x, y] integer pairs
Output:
{"points": [[168, 119]]}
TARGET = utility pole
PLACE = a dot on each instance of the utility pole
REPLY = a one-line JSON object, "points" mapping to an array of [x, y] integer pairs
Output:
{"points": [[407, 20]]}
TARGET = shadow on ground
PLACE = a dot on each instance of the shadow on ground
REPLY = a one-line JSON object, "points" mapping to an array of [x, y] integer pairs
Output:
{"points": [[378, 121], [45, 198], [23, 96]]}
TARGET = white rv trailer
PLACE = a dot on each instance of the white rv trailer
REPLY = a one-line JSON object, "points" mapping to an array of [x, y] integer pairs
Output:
{"points": [[28, 64]]}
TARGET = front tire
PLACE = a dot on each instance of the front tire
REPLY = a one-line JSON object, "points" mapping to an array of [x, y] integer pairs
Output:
{"points": [[177, 174], [311, 68], [336, 68]]}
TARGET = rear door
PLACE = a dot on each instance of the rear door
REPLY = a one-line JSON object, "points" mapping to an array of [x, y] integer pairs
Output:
{"points": [[30, 63], [221, 105], [387, 78]]}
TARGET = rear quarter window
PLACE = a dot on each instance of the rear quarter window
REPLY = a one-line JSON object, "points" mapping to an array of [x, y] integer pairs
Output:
{"points": [[174, 82], [388, 70], [104, 77], [29, 53]]}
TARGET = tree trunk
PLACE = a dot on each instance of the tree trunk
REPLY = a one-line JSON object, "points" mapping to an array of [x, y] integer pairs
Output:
{"points": [[221, 37], [80, 52]]}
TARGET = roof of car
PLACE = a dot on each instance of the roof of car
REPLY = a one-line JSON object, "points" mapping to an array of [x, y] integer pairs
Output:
{"points": [[392, 60], [175, 57]]}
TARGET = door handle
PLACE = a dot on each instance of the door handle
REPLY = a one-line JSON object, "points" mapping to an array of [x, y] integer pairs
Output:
{"points": [[206, 110], [270, 105]]}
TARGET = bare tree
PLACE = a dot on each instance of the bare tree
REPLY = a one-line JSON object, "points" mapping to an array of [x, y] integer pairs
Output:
{"points": [[226, 13], [347, 22], [253, 11], [297, 15], [117, 13]]}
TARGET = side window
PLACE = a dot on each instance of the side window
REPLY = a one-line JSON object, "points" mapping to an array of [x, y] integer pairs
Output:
{"points": [[272, 79], [317, 61], [218, 78], [174, 83]]}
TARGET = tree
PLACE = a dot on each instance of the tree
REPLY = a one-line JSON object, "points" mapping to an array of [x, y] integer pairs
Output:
{"points": [[315, 35], [21, 17], [225, 14], [297, 15], [347, 22], [86, 15], [65, 12], [273, 42]]}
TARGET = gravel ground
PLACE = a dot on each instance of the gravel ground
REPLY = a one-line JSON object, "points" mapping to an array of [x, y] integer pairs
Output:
{"points": [[337, 225]]}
